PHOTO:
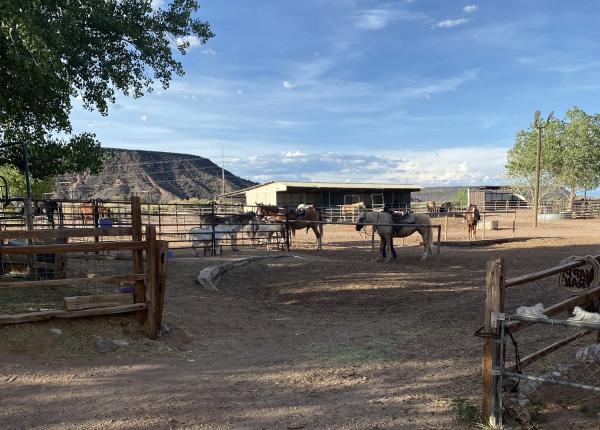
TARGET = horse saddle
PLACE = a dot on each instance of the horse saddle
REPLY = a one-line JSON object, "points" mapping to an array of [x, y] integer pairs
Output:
{"points": [[297, 213], [408, 218]]}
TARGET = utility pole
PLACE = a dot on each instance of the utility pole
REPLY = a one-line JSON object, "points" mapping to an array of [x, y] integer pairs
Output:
{"points": [[536, 199], [26, 159], [223, 169]]}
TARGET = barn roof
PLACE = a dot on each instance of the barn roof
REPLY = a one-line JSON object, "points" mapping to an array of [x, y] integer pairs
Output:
{"points": [[327, 185]]}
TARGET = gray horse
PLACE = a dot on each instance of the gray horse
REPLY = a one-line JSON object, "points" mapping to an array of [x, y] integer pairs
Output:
{"points": [[382, 223], [235, 221]]}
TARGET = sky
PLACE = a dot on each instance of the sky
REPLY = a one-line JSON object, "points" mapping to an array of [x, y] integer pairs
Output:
{"points": [[430, 92]]}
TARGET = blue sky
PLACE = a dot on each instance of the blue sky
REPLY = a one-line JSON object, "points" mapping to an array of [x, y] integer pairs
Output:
{"points": [[423, 91]]}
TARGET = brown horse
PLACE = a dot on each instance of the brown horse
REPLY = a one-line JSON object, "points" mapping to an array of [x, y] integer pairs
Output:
{"points": [[305, 217], [472, 217], [431, 207], [86, 210]]}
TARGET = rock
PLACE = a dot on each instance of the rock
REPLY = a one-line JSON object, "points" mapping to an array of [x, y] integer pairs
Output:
{"points": [[105, 345], [164, 329], [121, 342], [56, 331]]}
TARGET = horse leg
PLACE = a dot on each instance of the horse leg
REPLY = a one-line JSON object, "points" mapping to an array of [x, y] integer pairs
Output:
{"points": [[389, 248], [315, 230], [381, 254]]}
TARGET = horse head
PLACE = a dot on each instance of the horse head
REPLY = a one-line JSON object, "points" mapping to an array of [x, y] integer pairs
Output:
{"points": [[361, 220]]}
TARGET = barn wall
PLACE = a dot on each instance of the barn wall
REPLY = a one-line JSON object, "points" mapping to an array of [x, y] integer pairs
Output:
{"points": [[397, 198]]}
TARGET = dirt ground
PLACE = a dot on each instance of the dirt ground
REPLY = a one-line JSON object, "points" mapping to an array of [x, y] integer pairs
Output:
{"points": [[323, 340]]}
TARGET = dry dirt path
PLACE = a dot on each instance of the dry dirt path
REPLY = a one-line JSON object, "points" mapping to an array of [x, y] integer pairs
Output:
{"points": [[328, 341]]}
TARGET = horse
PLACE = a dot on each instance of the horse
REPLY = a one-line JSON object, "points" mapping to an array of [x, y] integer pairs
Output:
{"points": [[352, 209], [203, 237], [233, 224], [308, 218], [431, 207], [86, 210], [472, 217], [267, 231], [383, 222], [39, 208]]}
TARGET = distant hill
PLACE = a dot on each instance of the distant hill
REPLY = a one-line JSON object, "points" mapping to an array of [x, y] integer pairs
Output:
{"points": [[159, 176], [437, 194]]}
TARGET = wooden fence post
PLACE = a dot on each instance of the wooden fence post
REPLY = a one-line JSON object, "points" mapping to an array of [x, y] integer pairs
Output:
{"points": [[483, 230], [138, 256], [514, 223], [152, 262], [161, 269], [494, 302], [446, 229]]}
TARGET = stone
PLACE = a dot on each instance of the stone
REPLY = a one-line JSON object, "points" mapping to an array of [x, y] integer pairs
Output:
{"points": [[164, 329], [122, 342], [105, 345], [56, 331]]}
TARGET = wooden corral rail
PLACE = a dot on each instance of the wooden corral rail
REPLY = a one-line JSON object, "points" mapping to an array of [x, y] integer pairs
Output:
{"points": [[148, 279], [496, 286]]}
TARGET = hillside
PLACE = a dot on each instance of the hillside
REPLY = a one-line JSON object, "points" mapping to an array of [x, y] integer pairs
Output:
{"points": [[159, 176]]}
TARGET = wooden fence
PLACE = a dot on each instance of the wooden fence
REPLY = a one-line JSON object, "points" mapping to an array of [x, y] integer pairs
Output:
{"points": [[499, 326], [41, 260]]}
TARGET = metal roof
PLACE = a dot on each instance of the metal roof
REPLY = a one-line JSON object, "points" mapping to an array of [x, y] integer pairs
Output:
{"points": [[329, 185]]}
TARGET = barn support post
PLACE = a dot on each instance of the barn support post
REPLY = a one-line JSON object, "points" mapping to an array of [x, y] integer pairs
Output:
{"points": [[494, 304], [138, 255]]}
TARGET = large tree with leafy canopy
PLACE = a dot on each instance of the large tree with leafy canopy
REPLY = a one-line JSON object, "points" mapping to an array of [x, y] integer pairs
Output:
{"points": [[53, 51], [570, 156]]}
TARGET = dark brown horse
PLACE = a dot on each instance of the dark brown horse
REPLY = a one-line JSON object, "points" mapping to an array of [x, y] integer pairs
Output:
{"points": [[472, 217], [305, 217]]}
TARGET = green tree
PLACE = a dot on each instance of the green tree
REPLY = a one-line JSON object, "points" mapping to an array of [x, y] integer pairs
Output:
{"points": [[16, 183], [461, 197], [521, 161], [53, 51], [579, 169], [570, 156]]}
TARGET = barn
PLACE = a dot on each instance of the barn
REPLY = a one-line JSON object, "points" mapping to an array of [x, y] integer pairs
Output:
{"points": [[493, 198], [325, 194]]}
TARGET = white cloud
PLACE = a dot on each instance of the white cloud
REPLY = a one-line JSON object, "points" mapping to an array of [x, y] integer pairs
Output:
{"points": [[470, 8], [144, 118], [158, 4], [208, 51], [376, 19], [446, 166], [289, 85], [294, 154], [192, 40], [449, 23]]}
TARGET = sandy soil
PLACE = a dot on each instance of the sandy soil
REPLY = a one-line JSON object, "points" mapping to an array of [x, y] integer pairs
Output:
{"points": [[325, 341]]}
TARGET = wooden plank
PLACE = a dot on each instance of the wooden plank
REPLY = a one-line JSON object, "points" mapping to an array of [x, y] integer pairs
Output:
{"points": [[513, 282], [532, 358], [65, 232], [491, 349], [128, 279], [152, 262], [162, 280], [76, 303], [72, 247], [138, 256], [47, 315], [558, 308]]}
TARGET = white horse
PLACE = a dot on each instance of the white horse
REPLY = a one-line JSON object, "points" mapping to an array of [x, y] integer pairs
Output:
{"points": [[381, 222], [267, 231], [202, 237]]}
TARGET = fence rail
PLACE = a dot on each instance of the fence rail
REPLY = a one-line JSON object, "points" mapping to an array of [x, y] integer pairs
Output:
{"points": [[42, 269], [500, 376]]}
